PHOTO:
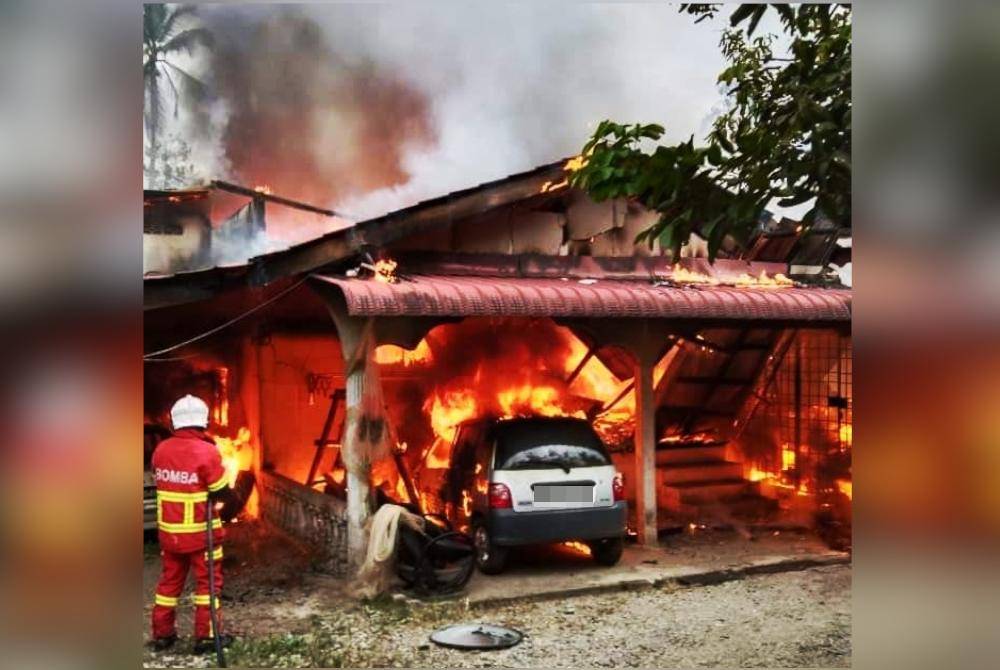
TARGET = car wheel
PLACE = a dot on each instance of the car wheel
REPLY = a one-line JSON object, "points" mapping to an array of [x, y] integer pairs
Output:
{"points": [[490, 559], [607, 551]]}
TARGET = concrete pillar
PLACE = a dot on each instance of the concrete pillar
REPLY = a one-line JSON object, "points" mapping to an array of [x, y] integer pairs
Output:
{"points": [[358, 493], [359, 505], [645, 446]]}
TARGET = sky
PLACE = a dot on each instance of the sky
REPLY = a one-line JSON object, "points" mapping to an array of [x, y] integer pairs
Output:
{"points": [[369, 108]]}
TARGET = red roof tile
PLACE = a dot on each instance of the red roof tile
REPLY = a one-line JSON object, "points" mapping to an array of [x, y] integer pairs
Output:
{"points": [[438, 295]]}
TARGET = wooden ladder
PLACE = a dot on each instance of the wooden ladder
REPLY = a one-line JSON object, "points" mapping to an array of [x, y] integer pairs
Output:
{"points": [[332, 426]]}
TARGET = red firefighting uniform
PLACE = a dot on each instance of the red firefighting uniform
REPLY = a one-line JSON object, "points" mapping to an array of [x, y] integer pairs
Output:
{"points": [[187, 466]]}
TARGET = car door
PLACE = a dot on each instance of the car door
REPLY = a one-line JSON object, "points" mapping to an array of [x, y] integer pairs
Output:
{"points": [[461, 475]]}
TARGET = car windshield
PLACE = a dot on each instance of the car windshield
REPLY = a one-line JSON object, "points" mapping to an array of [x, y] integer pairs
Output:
{"points": [[563, 456], [548, 443]]}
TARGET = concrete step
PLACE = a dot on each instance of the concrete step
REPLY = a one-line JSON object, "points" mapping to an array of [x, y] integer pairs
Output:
{"points": [[698, 471], [710, 491], [690, 454]]}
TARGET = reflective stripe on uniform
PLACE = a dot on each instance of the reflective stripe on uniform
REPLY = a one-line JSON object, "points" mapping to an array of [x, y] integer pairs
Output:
{"points": [[179, 496], [216, 554], [188, 500], [165, 601], [199, 527], [202, 600], [219, 484]]}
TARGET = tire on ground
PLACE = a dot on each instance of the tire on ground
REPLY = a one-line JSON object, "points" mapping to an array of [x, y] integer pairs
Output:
{"points": [[490, 559], [607, 551]]}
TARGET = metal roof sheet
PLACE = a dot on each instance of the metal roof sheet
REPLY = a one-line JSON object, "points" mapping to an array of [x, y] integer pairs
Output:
{"points": [[439, 295]]}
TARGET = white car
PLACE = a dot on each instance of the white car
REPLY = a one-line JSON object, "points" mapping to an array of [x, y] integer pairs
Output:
{"points": [[536, 480]]}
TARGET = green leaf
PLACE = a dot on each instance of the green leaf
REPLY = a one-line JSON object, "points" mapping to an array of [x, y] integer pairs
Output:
{"points": [[715, 238], [742, 13], [785, 137], [667, 236], [755, 19], [714, 154], [797, 199], [786, 13]]}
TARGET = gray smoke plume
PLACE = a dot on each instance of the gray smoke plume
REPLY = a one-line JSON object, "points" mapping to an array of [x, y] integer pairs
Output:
{"points": [[367, 108]]}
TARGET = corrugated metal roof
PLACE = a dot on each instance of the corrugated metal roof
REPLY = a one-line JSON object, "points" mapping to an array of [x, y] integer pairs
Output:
{"points": [[438, 295], [357, 234]]}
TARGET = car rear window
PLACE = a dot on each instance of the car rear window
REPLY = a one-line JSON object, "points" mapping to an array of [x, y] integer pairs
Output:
{"points": [[540, 444]]}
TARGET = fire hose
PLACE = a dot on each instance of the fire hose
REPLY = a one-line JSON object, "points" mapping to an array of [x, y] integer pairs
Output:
{"points": [[212, 614]]}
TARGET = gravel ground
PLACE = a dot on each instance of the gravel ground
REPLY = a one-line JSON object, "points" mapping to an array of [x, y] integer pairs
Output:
{"points": [[791, 619]]}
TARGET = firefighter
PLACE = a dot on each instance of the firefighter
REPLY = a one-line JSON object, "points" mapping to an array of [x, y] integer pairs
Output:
{"points": [[190, 479]]}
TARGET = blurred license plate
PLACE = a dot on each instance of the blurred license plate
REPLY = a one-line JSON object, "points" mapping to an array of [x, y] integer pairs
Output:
{"points": [[559, 493]]}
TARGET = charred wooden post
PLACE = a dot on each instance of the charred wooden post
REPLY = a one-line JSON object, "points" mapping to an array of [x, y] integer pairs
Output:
{"points": [[797, 470], [648, 343], [646, 350]]}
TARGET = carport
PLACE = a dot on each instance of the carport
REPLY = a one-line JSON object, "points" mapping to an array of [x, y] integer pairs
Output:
{"points": [[603, 307]]}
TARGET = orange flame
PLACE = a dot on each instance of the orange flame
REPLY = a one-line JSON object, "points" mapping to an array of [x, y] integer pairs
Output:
{"points": [[527, 400], [263, 188], [787, 457], [385, 271], [517, 385], [450, 409], [577, 547], [577, 163], [763, 281], [466, 503], [699, 438], [390, 354], [221, 409], [550, 186], [685, 276], [595, 380], [236, 452], [846, 487]]}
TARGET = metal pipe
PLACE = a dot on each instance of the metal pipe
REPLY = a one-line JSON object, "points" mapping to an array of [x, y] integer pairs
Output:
{"points": [[798, 411], [212, 614]]}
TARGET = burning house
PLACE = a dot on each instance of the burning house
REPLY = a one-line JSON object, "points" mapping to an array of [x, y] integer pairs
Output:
{"points": [[339, 369]]}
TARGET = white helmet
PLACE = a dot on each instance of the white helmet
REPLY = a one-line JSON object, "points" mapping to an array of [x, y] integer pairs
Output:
{"points": [[189, 411]]}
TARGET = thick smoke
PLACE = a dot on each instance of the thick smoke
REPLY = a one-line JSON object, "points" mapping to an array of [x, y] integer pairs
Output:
{"points": [[307, 120], [367, 108]]}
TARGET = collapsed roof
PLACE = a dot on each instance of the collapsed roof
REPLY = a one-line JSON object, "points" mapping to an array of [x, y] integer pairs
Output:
{"points": [[569, 249]]}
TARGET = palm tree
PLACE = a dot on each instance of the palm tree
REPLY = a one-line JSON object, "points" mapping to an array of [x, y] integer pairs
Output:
{"points": [[163, 38]]}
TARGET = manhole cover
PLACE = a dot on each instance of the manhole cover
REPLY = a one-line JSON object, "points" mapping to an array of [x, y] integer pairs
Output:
{"points": [[476, 636]]}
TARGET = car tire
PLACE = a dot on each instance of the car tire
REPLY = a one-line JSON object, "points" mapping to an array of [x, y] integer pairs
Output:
{"points": [[490, 559], [607, 551]]}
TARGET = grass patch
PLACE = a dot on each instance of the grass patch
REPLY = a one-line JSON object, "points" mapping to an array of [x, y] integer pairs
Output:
{"points": [[313, 649], [388, 608]]}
